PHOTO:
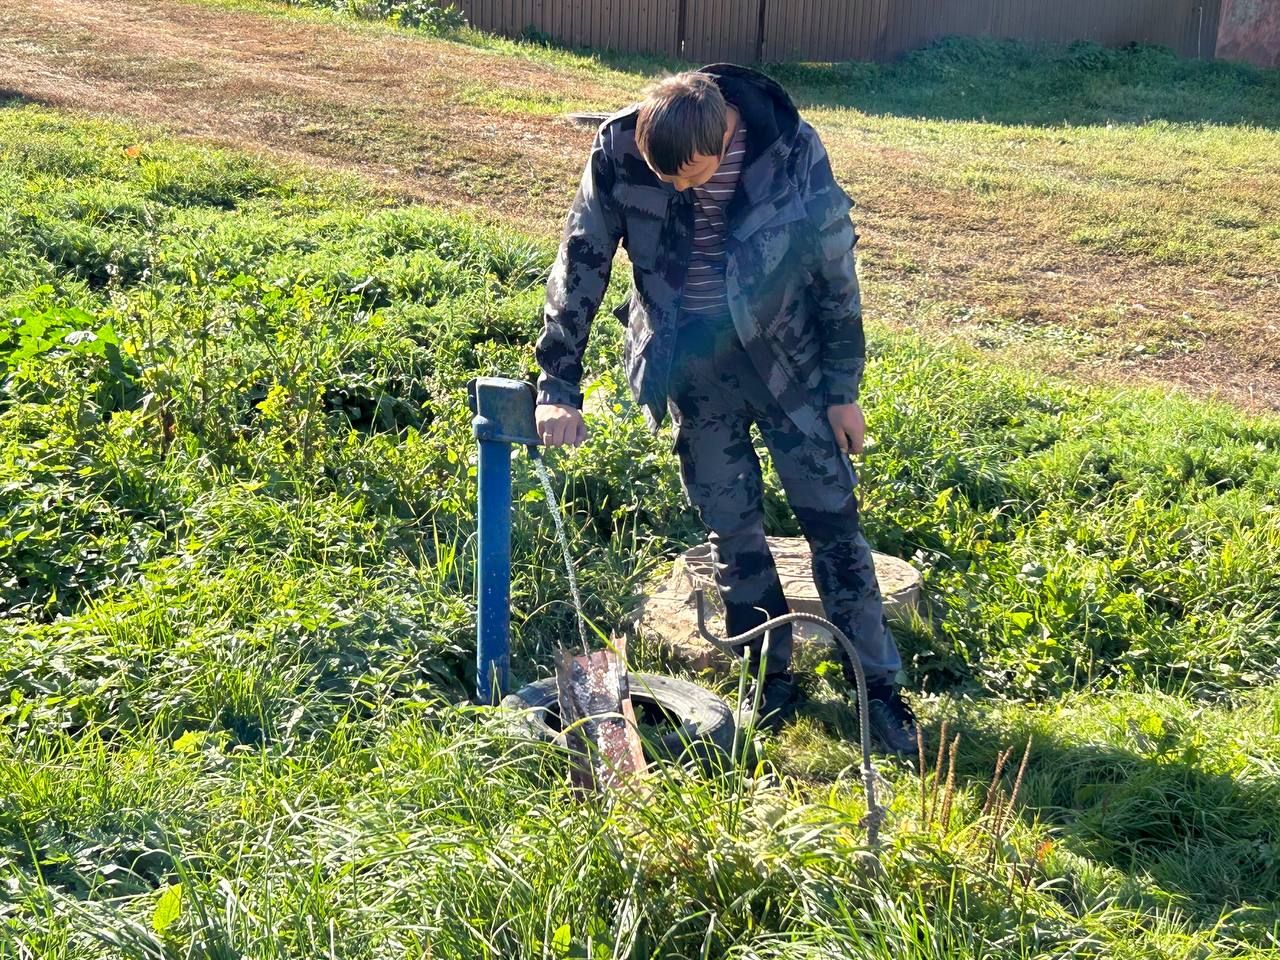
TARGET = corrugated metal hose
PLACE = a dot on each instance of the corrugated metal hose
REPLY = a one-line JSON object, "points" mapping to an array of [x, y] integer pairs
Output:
{"points": [[734, 645]]}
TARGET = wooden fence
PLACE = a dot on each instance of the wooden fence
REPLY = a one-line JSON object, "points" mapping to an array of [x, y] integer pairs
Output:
{"points": [[746, 31]]}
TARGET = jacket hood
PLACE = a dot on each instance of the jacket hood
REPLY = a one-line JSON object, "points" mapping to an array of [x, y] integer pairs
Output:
{"points": [[767, 110]]}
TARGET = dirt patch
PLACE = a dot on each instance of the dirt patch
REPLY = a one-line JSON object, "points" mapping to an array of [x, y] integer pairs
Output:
{"points": [[404, 111], [383, 105], [951, 262]]}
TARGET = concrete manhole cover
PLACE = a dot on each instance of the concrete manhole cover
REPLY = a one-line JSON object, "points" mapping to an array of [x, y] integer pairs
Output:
{"points": [[668, 614]]}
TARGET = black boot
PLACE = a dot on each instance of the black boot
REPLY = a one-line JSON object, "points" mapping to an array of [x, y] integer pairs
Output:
{"points": [[891, 719], [779, 700]]}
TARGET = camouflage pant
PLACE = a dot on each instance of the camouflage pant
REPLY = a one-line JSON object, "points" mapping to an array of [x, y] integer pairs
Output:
{"points": [[715, 394]]}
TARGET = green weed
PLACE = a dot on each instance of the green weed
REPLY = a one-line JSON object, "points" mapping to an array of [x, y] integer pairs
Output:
{"points": [[236, 535], [426, 15]]}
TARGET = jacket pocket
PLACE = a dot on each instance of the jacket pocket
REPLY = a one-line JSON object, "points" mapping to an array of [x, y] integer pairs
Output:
{"points": [[793, 326], [635, 338], [644, 236], [794, 340]]}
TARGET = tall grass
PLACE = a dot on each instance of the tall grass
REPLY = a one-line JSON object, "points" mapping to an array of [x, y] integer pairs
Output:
{"points": [[236, 522]]}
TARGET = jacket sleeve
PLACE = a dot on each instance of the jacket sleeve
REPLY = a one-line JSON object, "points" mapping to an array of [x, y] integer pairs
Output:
{"points": [[836, 291], [578, 280]]}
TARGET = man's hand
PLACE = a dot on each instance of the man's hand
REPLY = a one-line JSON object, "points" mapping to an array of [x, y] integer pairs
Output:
{"points": [[559, 425], [848, 426]]}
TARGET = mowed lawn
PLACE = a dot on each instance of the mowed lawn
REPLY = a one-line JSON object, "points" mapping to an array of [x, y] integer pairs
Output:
{"points": [[237, 526]]}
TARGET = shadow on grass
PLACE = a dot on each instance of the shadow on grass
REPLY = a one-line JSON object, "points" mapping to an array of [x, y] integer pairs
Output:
{"points": [[1015, 82], [1210, 840], [14, 98], [1178, 834], [1008, 82]]}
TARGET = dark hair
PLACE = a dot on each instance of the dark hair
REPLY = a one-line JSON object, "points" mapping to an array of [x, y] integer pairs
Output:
{"points": [[681, 115]]}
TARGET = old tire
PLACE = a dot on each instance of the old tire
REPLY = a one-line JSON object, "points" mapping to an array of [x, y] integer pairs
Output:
{"points": [[703, 722]]}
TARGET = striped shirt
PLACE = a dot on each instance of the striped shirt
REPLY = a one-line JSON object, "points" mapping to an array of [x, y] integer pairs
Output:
{"points": [[704, 290]]}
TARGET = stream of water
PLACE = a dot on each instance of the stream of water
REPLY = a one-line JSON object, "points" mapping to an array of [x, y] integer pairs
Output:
{"points": [[554, 505]]}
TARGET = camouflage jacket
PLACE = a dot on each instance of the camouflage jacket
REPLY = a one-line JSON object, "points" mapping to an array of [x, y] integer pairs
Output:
{"points": [[790, 276]]}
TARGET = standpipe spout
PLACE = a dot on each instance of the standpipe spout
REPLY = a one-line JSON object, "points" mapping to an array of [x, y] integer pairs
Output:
{"points": [[504, 415]]}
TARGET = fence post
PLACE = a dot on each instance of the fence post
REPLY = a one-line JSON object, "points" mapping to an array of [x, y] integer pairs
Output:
{"points": [[760, 22]]}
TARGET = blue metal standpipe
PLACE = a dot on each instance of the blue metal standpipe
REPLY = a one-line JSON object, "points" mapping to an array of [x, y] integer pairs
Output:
{"points": [[503, 416], [493, 590]]}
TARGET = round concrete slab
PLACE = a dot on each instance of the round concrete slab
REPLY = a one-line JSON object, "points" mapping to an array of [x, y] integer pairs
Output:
{"points": [[668, 614]]}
